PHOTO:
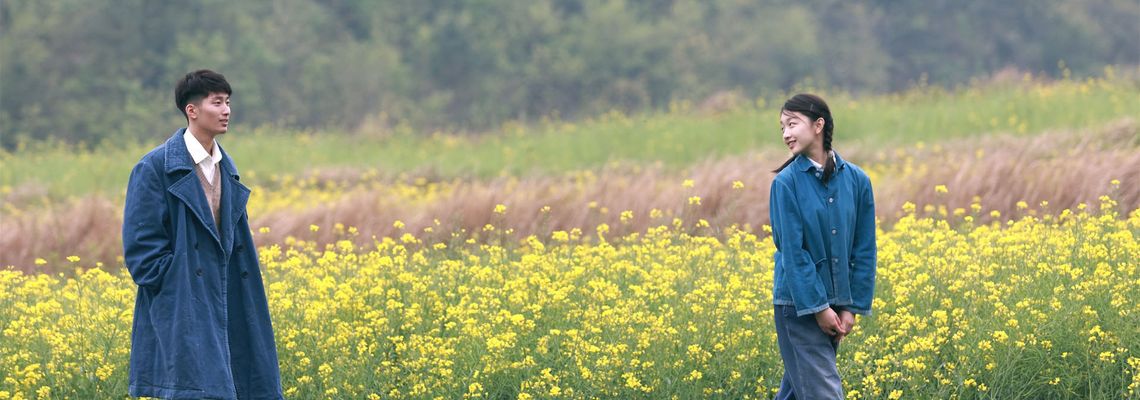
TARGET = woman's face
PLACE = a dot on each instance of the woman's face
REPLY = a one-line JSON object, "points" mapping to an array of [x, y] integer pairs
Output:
{"points": [[799, 132]]}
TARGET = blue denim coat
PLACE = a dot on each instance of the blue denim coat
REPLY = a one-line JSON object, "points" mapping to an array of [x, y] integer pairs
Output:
{"points": [[201, 323], [825, 238]]}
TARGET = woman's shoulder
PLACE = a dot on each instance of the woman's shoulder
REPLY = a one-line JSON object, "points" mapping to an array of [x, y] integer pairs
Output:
{"points": [[785, 177], [857, 174], [855, 168]]}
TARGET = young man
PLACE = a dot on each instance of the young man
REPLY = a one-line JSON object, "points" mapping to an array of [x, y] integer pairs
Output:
{"points": [[201, 327]]}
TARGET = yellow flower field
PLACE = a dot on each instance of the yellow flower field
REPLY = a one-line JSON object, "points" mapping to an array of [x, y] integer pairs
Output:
{"points": [[1040, 307]]}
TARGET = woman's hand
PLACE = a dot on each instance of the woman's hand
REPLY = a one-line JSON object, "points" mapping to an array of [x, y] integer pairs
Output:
{"points": [[829, 322], [846, 323]]}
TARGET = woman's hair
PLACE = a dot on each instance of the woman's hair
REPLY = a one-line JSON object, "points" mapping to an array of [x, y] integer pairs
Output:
{"points": [[814, 108]]}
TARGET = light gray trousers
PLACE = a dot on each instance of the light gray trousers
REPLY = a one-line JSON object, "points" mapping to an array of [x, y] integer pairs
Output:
{"points": [[809, 358]]}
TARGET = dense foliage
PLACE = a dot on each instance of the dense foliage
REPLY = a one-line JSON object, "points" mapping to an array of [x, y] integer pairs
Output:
{"points": [[82, 70]]}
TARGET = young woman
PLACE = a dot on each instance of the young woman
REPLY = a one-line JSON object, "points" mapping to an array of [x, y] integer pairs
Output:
{"points": [[823, 225]]}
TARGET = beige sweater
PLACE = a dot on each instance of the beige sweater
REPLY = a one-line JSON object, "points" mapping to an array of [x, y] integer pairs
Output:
{"points": [[213, 191]]}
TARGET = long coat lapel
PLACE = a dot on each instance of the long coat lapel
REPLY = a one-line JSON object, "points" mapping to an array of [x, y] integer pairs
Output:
{"points": [[176, 335], [188, 188], [234, 198]]}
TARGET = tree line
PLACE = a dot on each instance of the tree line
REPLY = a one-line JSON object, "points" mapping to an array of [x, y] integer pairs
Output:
{"points": [[94, 70]]}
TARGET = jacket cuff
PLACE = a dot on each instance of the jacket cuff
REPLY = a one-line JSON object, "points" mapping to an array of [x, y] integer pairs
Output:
{"points": [[813, 310]]}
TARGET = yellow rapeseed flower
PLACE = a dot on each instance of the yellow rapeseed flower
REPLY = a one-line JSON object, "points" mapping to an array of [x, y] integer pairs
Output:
{"points": [[695, 375], [630, 316], [908, 207]]}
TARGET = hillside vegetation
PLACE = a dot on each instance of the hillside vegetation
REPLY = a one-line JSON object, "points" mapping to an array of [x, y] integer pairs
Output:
{"points": [[101, 70]]}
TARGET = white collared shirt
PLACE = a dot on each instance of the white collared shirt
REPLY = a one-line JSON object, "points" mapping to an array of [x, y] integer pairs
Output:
{"points": [[204, 160], [819, 166]]}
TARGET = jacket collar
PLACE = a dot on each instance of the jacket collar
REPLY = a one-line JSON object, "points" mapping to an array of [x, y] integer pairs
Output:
{"points": [[803, 163], [178, 156]]}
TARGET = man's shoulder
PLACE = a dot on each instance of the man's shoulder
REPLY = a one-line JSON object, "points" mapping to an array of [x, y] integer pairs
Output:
{"points": [[154, 160], [157, 156]]}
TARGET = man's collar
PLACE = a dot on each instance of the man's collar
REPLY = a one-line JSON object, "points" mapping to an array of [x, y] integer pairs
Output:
{"points": [[178, 156], [197, 152]]}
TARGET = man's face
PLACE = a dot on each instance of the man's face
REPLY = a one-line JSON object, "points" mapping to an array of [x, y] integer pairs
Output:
{"points": [[211, 115]]}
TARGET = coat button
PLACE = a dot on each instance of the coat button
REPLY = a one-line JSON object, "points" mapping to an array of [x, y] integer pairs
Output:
{"points": [[830, 199], [244, 274], [198, 272], [834, 231]]}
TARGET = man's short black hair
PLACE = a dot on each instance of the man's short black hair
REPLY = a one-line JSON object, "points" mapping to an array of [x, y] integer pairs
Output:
{"points": [[198, 85]]}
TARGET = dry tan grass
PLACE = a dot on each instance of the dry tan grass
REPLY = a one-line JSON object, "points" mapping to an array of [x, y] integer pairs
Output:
{"points": [[89, 228], [1063, 168], [574, 202]]}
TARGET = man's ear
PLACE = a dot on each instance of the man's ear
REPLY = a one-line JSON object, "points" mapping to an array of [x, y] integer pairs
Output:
{"points": [[191, 111]]}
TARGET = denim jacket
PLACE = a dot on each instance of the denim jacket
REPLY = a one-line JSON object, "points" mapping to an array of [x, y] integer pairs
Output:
{"points": [[825, 238]]}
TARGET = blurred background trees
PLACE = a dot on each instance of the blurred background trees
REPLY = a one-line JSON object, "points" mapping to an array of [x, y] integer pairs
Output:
{"points": [[95, 70]]}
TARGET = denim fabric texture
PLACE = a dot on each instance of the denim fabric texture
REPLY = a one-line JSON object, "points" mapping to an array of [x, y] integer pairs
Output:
{"points": [[201, 323], [824, 236], [809, 358]]}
